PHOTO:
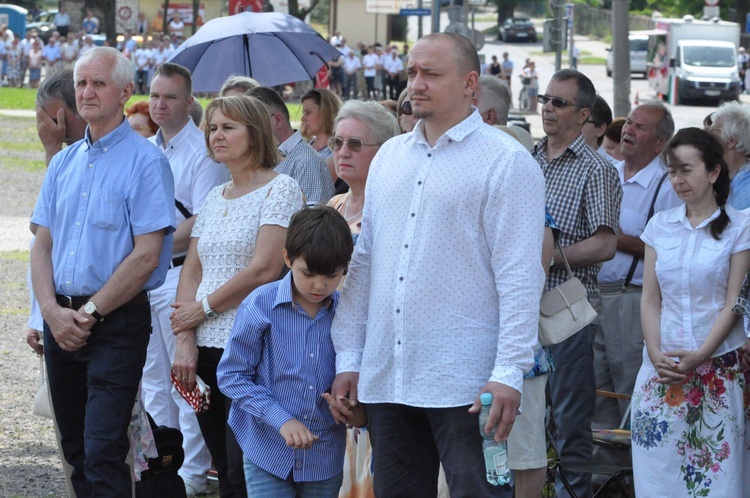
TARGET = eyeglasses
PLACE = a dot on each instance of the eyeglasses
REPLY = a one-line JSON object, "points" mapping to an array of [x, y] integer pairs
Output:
{"points": [[353, 144], [556, 101], [588, 121], [406, 108]]}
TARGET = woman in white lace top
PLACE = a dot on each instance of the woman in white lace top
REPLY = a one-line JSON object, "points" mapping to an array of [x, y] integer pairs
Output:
{"points": [[236, 246]]}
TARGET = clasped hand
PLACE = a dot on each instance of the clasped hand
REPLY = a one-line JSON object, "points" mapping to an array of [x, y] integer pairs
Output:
{"points": [[186, 316], [676, 371]]}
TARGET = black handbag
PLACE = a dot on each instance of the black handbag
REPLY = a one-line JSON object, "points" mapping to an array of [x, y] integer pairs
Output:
{"points": [[161, 479]]}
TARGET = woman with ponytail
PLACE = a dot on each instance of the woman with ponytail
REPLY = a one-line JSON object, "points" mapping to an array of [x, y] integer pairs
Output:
{"points": [[689, 417]]}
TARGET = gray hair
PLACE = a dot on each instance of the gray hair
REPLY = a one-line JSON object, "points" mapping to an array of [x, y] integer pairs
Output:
{"points": [[121, 71], [495, 95], [735, 124], [586, 94], [376, 118], [243, 82], [665, 126], [59, 85]]}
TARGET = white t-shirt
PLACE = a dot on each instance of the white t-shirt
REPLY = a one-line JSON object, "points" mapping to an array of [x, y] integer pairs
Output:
{"points": [[226, 231], [370, 63], [351, 64], [692, 269]]}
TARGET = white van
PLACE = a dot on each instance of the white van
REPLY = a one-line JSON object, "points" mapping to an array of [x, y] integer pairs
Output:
{"points": [[638, 52]]}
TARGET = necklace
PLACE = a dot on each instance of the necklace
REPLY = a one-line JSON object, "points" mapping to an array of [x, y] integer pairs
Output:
{"points": [[346, 211]]}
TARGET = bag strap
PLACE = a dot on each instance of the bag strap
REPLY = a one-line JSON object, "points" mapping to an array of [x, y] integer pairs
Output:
{"points": [[634, 264], [182, 209], [565, 260]]}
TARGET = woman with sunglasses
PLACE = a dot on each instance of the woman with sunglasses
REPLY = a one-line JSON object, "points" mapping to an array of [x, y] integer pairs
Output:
{"points": [[404, 115], [359, 131]]}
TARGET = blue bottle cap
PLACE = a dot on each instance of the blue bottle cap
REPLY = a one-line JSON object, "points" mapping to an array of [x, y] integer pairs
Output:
{"points": [[486, 398]]}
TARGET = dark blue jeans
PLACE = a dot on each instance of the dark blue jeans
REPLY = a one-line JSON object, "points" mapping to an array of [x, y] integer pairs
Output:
{"points": [[409, 443], [93, 391]]}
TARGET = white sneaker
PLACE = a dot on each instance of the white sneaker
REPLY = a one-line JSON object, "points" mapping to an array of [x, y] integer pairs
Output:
{"points": [[194, 486]]}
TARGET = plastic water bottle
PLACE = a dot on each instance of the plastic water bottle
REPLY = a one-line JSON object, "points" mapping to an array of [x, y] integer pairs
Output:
{"points": [[495, 454]]}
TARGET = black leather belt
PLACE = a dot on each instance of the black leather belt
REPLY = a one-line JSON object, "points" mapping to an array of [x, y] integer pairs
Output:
{"points": [[178, 261], [75, 302]]}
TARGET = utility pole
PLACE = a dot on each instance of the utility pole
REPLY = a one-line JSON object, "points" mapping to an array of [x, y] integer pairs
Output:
{"points": [[621, 57], [560, 33], [435, 16]]}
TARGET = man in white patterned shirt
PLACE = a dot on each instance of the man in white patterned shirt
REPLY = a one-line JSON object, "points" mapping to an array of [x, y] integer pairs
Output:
{"points": [[583, 197], [302, 162], [442, 297]]}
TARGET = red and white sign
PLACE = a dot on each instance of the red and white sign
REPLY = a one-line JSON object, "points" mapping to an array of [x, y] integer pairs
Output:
{"points": [[237, 6]]}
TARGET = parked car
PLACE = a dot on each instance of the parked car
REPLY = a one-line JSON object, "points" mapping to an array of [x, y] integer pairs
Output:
{"points": [[517, 29], [638, 52], [43, 23]]}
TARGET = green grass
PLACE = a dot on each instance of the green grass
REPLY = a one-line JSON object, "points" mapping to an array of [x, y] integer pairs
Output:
{"points": [[14, 255], [17, 98]]}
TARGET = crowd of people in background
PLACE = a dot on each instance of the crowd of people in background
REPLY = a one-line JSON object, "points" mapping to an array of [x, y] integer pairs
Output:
{"points": [[237, 250], [147, 46]]}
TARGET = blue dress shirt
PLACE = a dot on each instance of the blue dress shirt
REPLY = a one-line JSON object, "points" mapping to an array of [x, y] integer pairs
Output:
{"points": [[277, 363], [95, 198], [739, 197]]}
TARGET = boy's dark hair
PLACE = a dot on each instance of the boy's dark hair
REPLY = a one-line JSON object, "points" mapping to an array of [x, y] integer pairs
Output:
{"points": [[320, 235]]}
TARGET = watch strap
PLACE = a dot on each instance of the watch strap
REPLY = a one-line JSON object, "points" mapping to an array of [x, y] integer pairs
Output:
{"points": [[206, 308]]}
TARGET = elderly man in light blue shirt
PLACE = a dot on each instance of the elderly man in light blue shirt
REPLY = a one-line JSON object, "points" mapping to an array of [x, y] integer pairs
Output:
{"points": [[105, 215]]}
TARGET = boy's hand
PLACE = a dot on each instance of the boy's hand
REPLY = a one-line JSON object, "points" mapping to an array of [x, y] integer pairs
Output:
{"points": [[344, 386], [355, 415], [297, 435]]}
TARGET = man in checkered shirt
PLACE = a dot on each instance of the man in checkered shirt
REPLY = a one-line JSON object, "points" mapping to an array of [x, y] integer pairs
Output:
{"points": [[583, 197]]}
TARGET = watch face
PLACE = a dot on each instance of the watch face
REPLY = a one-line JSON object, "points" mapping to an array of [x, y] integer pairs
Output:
{"points": [[89, 308]]}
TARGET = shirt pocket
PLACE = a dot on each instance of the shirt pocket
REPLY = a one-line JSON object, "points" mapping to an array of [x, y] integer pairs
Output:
{"points": [[107, 210], [668, 252]]}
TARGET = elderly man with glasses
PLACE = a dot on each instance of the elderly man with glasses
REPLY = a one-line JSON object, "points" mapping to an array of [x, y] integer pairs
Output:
{"points": [[583, 197]]}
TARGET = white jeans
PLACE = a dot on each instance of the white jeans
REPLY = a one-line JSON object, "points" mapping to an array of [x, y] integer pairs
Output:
{"points": [[161, 400]]}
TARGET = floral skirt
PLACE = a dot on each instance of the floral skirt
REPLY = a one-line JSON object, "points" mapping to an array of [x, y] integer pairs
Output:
{"points": [[690, 439]]}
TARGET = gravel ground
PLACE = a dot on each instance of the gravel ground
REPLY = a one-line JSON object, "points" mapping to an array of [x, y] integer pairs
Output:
{"points": [[29, 466]]}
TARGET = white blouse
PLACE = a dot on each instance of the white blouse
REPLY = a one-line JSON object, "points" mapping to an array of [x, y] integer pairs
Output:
{"points": [[226, 230], [692, 269]]}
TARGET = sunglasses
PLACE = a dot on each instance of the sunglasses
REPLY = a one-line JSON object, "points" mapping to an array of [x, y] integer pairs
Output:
{"points": [[556, 101], [353, 144], [406, 108]]}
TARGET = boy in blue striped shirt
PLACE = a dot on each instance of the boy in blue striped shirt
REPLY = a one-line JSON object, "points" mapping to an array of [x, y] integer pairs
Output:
{"points": [[279, 360]]}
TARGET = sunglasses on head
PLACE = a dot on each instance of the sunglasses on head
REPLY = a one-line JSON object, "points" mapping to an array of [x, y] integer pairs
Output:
{"points": [[556, 101], [353, 144], [406, 108]]}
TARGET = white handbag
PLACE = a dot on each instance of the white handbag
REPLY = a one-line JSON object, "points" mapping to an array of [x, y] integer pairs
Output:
{"points": [[564, 310], [42, 403]]}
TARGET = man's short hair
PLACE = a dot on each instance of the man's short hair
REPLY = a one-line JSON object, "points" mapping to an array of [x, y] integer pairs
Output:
{"points": [[495, 95], [242, 82], [601, 114], [665, 126], [320, 235], [586, 95], [466, 55], [122, 70], [253, 114], [735, 124], [271, 98], [170, 69], [59, 85]]}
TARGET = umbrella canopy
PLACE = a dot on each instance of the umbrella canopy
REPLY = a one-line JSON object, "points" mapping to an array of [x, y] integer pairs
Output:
{"points": [[271, 47]]}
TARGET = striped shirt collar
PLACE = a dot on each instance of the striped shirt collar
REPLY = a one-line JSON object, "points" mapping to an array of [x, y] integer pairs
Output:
{"points": [[284, 294]]}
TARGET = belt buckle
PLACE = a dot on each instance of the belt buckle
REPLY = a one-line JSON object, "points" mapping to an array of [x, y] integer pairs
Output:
{"points": [[69, 300]]}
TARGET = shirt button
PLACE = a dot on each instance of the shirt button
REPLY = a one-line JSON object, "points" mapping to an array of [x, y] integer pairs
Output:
{"points": [[406, 246], [72, 253], [91, 165], [311, 388], [298, 464], [84, 194], [305, 417], [398, 342], [398, 311], [312, 355], [78, 223], [419, 182], [401, 278], [413, 215], [67, 283], [429, 155], [105, 149]]}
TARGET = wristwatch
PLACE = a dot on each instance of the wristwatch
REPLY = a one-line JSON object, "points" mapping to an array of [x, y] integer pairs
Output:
{"points": [[90, 308], [207, 309]]}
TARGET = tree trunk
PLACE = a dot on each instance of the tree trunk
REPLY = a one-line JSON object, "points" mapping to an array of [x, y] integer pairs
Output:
{"points": [[301, 14], [107, 26]]}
